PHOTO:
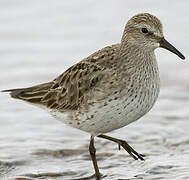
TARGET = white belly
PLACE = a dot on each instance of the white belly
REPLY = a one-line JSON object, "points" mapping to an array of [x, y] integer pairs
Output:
{"points": [[112, 114]]}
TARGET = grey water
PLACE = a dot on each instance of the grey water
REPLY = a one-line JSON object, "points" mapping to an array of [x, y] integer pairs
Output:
{"points": [[39, 39]]}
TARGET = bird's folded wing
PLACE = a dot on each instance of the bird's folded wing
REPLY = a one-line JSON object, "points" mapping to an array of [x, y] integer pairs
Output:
{"points": [[74, 86]]}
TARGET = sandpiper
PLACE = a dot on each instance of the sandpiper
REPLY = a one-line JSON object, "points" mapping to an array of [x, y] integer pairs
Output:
{"points": [[109, 89]]}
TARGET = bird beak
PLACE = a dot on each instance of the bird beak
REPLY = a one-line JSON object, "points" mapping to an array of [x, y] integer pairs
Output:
{"points": [[165, 44]]}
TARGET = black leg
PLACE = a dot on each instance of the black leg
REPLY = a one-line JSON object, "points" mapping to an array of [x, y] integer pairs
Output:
{"points": [[125, 145], [92, 151]]}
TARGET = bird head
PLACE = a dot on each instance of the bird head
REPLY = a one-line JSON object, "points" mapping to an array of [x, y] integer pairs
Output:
{"points": [[145, 31]]}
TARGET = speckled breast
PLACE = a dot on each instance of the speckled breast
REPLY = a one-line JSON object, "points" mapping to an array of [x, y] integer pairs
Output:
{"points": [[116, 112]]}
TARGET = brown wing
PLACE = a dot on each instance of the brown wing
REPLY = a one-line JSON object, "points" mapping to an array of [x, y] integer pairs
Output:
{"points": [[71, 88], [65, 92]]}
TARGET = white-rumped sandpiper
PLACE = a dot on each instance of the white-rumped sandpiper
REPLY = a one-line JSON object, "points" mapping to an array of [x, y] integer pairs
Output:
{"points": [[109, 89]]}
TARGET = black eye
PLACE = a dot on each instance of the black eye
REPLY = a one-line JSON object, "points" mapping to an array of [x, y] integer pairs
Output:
{"points": [[144, 30]]}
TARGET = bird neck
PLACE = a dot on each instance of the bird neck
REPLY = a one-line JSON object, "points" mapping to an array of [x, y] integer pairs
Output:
{"points": [[135, 54], [136, 59]]}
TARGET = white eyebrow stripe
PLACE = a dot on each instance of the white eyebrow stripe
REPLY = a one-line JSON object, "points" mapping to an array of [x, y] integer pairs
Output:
{"points": [[141, 25], [151, 29]]}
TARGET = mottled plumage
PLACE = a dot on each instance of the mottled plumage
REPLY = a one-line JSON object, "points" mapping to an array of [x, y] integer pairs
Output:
{"points": [[109, 89]]}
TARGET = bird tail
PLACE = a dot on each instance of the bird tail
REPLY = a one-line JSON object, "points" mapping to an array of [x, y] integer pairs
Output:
{"points": [[32, 94]]}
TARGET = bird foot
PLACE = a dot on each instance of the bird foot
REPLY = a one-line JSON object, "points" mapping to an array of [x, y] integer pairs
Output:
{"points": [[125, 145], [129, 149]]}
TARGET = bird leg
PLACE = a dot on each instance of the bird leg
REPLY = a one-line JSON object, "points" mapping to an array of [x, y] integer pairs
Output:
{"points": [[125, 145], [92, 151]]}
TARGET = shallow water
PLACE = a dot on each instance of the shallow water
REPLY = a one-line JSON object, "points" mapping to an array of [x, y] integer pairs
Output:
{"points": [[39, 39]]}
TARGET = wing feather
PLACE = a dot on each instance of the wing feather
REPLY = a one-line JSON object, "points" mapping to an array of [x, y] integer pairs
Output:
{"points": [[72, 88]]}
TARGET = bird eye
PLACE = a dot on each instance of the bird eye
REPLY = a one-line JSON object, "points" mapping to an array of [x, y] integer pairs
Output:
{"points": [[144, 30]]}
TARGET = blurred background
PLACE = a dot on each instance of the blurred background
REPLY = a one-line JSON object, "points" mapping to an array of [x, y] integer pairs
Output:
{"points": [[39, 39]]}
